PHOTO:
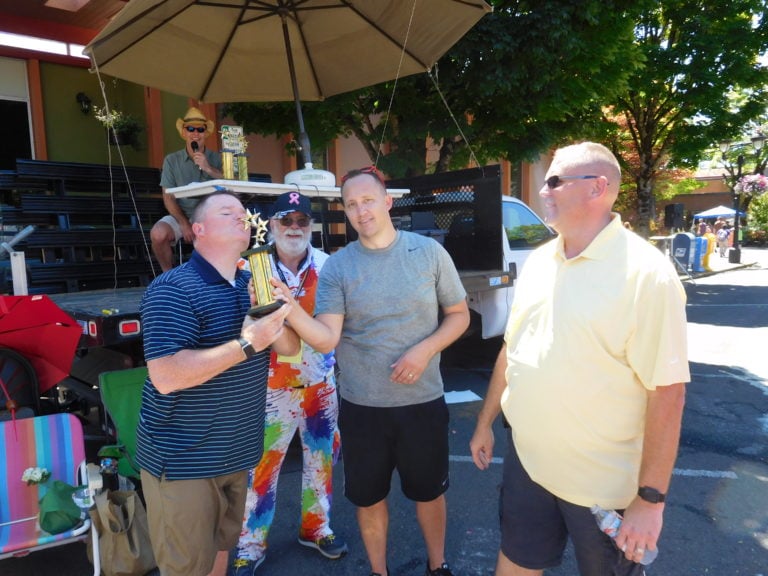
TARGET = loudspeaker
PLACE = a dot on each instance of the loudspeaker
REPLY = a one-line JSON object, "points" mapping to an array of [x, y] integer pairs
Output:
{"points": [[673, 215]]}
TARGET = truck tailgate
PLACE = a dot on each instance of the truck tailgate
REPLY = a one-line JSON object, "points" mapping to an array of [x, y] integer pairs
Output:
{"points": [[107, 317]]}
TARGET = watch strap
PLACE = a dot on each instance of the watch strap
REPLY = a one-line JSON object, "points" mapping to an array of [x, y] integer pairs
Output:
{"points": [[651, 495], [246, 347]]}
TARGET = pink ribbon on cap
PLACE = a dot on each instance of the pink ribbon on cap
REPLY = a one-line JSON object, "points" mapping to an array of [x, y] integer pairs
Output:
{"points": [[293, 198]]}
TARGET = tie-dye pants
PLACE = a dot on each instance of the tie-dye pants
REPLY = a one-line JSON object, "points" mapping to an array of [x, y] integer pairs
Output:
{"points": [[314, 412]]}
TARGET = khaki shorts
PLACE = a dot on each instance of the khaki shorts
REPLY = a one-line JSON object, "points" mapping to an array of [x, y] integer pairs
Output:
{"points": [[191, 520], [174, 224]]}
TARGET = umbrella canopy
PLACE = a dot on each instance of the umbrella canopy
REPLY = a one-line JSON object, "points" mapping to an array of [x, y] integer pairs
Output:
{"points": [[41, 332], [718, 211], [277, 50], [235, 50]]}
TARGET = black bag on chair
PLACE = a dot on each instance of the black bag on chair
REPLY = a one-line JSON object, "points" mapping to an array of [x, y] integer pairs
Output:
{"points": [[124, 545]]}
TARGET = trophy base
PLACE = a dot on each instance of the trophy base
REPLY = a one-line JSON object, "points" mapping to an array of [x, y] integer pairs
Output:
{"points": [[259, 311]]}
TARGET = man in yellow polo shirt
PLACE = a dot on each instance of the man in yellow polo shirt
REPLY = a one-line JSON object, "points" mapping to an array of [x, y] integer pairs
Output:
{"points": [[591, 379]]}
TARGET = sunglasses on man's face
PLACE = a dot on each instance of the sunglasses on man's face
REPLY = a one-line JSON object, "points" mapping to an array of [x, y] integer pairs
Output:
{"points": [[555, 181], [301, 221], [199, 129]]}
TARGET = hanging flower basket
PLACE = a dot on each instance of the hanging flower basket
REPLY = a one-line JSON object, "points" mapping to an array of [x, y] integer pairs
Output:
{"points": [[123, 129], [752, 184]]}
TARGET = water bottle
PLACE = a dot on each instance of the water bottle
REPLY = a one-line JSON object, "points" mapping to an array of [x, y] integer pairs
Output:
{"points": [[609, 521]]}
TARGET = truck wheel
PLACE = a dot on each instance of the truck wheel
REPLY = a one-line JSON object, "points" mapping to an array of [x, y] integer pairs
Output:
{"points": [[18, 385]]}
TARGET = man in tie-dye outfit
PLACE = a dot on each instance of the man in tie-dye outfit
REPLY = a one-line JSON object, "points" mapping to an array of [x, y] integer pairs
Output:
{"points": [[301, 395]]}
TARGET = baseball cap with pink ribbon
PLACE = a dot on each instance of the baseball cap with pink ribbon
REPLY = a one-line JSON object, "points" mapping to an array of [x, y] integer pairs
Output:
{"points": [[291, 202]]}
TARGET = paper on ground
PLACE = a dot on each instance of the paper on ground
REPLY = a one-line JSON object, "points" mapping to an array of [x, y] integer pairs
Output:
{"points": [[458, 396]]}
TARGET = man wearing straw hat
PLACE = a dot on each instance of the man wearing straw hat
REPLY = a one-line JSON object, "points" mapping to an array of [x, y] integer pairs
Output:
{"points": [[193, 163]]}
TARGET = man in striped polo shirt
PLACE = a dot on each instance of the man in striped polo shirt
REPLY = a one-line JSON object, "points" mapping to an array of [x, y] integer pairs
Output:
{"points": [[202, 416]]}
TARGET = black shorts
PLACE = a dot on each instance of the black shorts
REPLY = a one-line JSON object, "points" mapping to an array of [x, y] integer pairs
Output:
{"points": [[376, 441], [535, 526]]}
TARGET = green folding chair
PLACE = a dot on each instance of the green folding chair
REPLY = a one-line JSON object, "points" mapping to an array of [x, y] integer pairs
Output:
{"points": [[121, 397]]}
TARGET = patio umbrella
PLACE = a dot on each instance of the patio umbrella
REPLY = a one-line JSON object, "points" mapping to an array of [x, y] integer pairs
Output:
{"points": [[43, 333], [277, 50]]}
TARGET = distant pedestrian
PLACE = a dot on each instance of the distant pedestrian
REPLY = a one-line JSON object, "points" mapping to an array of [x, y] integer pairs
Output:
{"points": [[722, 239]]}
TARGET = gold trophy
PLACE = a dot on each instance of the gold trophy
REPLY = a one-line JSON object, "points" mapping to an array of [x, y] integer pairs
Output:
{"points": [[259, 258]]}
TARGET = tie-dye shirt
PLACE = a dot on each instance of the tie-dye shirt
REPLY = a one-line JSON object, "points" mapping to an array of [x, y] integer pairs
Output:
{"points": [[314, 366]]}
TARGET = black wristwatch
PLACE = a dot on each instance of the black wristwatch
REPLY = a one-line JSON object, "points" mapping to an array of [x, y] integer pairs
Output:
{"points": [[651, 495], [246, 347]]}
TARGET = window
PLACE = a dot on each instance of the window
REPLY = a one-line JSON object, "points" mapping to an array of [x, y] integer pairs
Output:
{"points": [[524, 228]]}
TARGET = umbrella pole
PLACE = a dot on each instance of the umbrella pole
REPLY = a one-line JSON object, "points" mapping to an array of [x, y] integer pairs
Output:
{"points": [[303, 137]]}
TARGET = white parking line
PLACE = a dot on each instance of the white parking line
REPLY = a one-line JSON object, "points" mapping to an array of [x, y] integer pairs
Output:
{"points": [[677, 471], [706, 473], [494, 460]]}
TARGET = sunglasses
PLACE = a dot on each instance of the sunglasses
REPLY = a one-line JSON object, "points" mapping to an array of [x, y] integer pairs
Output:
{"points": [[555, 181], [302, 221], [372, 170], [199, 129]]}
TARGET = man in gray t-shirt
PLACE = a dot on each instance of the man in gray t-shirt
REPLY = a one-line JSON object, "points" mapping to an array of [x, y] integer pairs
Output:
{"points": [[378, 304], [193, 163]]}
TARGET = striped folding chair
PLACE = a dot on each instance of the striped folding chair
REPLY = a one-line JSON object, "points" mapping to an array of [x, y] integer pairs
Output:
{"points": [[54, 442]]}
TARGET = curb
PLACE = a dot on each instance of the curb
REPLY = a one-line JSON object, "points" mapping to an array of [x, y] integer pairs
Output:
{"points": [[696, 275]]}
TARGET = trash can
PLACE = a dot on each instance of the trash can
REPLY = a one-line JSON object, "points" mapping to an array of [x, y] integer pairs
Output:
{"points": [[682, 250]]}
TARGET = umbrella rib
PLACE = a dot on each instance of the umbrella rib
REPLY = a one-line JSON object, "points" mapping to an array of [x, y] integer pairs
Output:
{"points": [[385, 34], [223, 51], [290, 10], [295, 17], [91, 48]]}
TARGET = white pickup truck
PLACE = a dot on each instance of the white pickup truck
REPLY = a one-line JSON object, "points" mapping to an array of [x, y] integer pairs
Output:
{"points": [[492, 306], [488, 235]]}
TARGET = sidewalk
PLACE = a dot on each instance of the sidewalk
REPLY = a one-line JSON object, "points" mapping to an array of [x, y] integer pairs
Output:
{"points": [[750, 257]]}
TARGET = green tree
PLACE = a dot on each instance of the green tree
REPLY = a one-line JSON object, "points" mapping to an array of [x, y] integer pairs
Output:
{"points": [[757, 217], [696, 54]]}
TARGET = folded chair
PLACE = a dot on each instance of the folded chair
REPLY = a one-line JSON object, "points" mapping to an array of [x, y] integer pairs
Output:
{"points": [[54, 442], [121, 397]]}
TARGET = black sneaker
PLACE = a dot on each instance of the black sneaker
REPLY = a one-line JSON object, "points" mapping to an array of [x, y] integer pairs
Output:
{"points": [[442, 570], [330, 546]]}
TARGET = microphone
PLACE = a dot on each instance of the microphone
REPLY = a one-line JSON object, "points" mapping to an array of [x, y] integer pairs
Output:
{"points": [[195, 147]]}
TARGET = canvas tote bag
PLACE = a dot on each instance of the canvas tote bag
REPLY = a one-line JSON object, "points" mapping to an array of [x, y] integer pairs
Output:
{"points": [[121, 521]]}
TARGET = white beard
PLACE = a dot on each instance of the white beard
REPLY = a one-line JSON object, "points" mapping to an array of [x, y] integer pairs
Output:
{"points": [[292, 246]]}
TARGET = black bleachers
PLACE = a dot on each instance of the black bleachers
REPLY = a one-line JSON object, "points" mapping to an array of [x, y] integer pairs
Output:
{"points": [[92, 224]]}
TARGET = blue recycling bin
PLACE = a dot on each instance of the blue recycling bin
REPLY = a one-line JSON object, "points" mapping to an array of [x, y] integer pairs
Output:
{"points": [[683, 247], [700, 249]]}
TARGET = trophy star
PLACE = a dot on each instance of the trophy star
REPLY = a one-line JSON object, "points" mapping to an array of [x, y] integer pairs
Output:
{"points": [[248, 219], [261, 232], [253, 220]]}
